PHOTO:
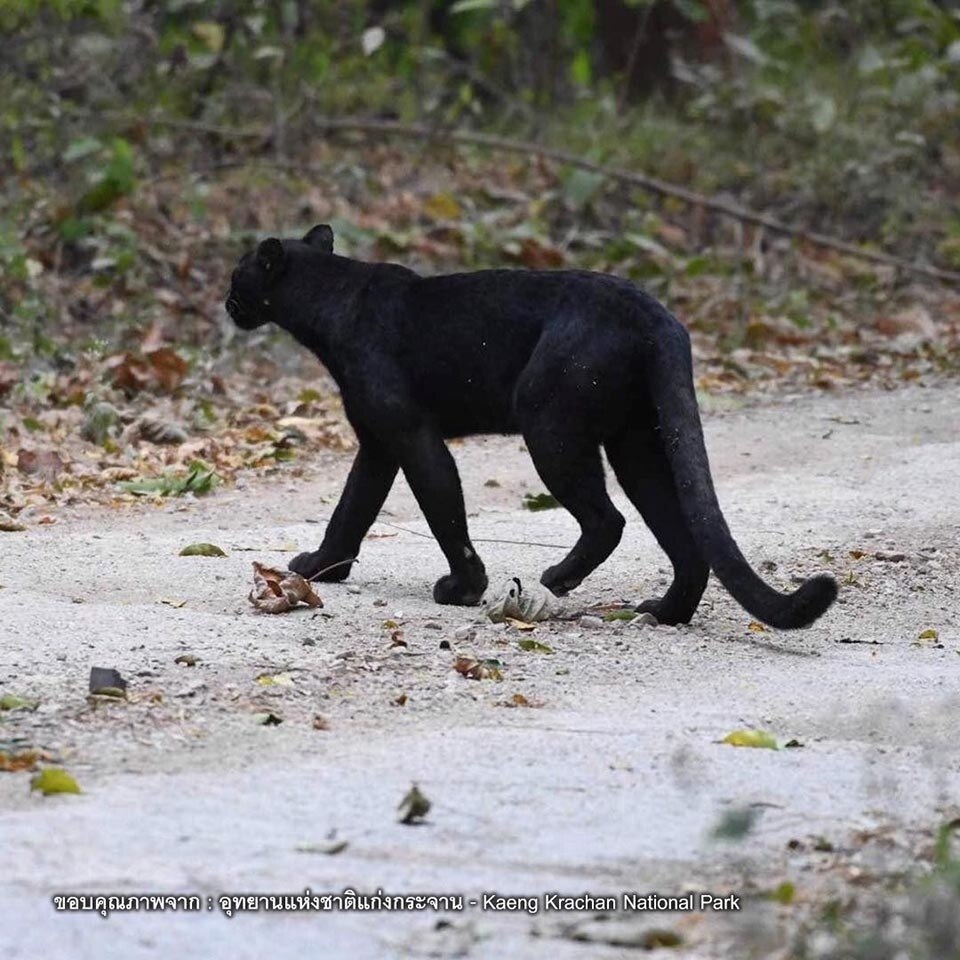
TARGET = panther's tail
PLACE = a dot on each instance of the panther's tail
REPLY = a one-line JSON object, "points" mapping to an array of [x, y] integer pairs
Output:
{"points": [[672, 392]]}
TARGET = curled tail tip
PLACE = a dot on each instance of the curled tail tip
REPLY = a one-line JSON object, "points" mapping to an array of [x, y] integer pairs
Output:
{"points": [[807, 603]]}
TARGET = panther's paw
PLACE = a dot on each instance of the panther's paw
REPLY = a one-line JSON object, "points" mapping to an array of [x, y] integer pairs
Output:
{"points": [[668, 615], [459, 591], [558, 581], [313, 566]]}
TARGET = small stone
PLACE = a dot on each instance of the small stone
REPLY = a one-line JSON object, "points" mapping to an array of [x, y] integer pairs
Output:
{"points": [[379, 602], [465, 634], [432, 625], [646, 619], [590, 623], [353, 588], [890, 556], [444, 644], [309, 641]]}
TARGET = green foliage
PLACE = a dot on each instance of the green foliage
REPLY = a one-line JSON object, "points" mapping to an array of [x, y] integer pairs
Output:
{"points": [[199, 480]]}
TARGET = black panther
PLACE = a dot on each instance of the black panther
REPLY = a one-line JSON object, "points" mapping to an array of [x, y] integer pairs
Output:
{"points": [[574, 361]]}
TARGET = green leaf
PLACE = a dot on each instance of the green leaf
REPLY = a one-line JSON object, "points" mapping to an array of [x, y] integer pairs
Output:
{"points": [[201, 479], [782, 893], [540, 501], [534, 646], [10, 701], [53, 780], [414, 806], [115, 181], [581, 186], [581, 72], [751, 738], [629, 614], [735, 824], [202, 550]]}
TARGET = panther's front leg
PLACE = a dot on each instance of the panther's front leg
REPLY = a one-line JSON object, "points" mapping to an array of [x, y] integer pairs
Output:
{"points": [[368, 484], [432, 474]]}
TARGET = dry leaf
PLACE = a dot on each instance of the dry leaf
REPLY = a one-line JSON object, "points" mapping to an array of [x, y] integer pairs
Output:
{"points": [[45, 464], [478, 669], [17, 761], [277, 591], [8, 524]]}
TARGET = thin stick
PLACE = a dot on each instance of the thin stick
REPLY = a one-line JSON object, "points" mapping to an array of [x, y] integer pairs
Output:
{"points": [[516, 543], [651, 184], [339, 563]]}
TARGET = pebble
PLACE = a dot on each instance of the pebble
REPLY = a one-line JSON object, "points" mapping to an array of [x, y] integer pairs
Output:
{"points": [[465, 634], [379, 602], [590, 623], [890, 556], [432, 625], [644, 620], [353, 588]]}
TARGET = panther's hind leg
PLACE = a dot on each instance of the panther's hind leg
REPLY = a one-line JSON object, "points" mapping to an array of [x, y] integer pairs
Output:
{"points": [[568, 462], [640, 464]]}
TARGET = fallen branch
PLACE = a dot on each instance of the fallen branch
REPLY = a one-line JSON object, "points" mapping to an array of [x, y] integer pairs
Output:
{"points": [[651, 184]]}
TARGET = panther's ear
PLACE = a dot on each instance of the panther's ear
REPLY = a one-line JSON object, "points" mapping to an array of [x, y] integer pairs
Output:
{"points": [[321, 237], [270, 255]]}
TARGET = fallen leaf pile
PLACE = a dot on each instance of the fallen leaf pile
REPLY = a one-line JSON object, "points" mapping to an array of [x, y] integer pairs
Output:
{"points": [[277, 591]]}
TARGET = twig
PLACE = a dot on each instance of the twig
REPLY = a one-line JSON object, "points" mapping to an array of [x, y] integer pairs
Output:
{"points": [[332, 566], [642, 180], [516, 543]]}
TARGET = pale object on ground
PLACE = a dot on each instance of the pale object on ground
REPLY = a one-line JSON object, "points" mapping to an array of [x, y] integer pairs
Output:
{"points": [[517, 602]]}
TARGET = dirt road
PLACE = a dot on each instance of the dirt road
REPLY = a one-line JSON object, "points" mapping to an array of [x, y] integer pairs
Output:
{"points": [[612, 781]]}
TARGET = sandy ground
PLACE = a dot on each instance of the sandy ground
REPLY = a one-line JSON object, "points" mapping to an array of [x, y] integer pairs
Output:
{"points": [[611, 782]]}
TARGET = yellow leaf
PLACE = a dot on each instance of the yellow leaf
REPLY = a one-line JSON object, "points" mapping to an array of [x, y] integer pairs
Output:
{"points": [[751, 738], [210, 34], [53, 780], [520, 624], [929, 634], [441, 206], [755, 627], [275, 680]]}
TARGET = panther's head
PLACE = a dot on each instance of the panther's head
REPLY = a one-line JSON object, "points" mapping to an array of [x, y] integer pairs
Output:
{"points": [[250, 300]]}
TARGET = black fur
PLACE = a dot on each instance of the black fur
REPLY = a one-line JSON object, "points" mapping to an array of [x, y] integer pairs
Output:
{"points": [[574, 361]]}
